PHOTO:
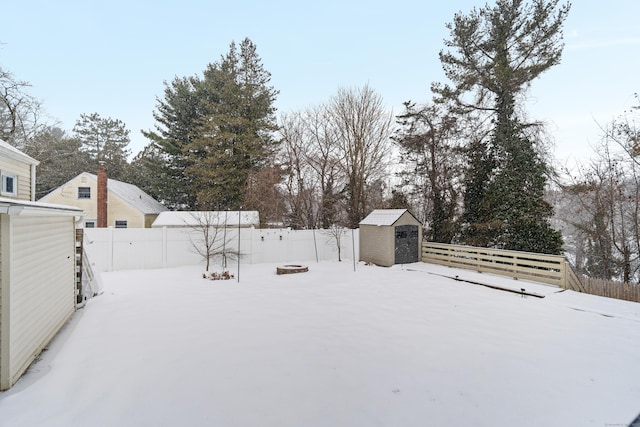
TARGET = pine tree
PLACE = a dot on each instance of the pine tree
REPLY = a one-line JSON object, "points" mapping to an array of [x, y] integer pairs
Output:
{"points": [[215, 131], [60, 156], [234, 139], [163, 161], [496, 52], [104, 140]]}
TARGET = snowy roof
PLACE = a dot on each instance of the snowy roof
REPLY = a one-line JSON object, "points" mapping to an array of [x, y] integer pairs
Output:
{"points": [[132, 195], [383, 217], [214, 218], [18, 207], [15, 153]]}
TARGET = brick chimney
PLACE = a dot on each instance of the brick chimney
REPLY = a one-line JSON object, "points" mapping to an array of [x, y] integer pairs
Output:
{"points": [[102, 195]]}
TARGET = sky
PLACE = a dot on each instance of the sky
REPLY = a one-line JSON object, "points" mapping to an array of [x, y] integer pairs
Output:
{"points": [[112, 58]]}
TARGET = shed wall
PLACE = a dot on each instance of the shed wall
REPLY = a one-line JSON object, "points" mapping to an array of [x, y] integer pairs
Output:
{"points": [[376, 244], [42, 286]]}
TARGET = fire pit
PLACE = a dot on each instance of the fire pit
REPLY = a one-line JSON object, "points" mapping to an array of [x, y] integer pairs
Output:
{"points": [[290, 269]]}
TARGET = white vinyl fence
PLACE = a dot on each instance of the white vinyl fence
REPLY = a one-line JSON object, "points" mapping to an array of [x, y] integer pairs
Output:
{"points": [[110, 249]]}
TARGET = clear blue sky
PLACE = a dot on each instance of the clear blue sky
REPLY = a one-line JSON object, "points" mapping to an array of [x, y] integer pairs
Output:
{"points": [[111, 57]]}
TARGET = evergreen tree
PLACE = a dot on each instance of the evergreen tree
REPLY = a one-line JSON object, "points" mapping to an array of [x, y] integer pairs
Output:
{"points": [[234, 139], [60, 156], [104, 140], [160, 168], [215, 131], [430, 158], [496, 52]]}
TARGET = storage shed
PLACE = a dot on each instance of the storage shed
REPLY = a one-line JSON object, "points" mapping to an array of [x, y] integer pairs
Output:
{"points": [[390, 236], [37, 280]]}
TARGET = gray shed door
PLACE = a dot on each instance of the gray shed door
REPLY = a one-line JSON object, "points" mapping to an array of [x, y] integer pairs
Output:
{"points": [[406, 244]]}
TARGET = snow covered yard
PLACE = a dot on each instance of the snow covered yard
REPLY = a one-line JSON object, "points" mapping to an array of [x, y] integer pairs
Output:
{"points": [[334, 347]]}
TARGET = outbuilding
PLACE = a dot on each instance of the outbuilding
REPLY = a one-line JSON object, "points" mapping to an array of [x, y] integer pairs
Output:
{"points": [[38, 280], [390, 236]]}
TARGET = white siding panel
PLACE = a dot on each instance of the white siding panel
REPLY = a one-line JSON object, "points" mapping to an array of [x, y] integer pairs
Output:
{"points": [[23, 173], [42, 284], [376, 245]]}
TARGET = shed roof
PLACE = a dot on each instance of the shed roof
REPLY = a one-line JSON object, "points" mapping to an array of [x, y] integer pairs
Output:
{"points": [[214, 218], [382, 217], [26, 207]]}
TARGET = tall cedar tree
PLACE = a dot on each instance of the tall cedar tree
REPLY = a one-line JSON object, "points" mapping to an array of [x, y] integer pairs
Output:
{"points": [[234, 139], [494, 55], [104, 140], [160, 166], [211, 133]]}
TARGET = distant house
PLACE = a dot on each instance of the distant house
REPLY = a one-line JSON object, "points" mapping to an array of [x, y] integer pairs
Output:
{"points": [[244, 219], [390, 236], [38, 288], [126, 205]]}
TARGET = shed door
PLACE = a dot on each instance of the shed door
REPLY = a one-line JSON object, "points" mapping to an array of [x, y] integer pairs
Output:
{"points": [[406, 244]]}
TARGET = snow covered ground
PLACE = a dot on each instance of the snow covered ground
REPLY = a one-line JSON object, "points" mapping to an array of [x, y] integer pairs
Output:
{"points": [[401, 346]]}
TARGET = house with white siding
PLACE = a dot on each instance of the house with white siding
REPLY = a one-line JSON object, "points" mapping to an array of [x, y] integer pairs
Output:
{"points": [[38, 289]]}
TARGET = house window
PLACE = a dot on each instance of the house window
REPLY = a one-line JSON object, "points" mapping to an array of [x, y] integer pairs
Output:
{"points": [[9, 185], [84, 192], [89, 224], [121, 224]]}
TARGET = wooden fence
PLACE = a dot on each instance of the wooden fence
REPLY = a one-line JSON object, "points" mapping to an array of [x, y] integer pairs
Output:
{"points": [[611, 289], [551, 269]]}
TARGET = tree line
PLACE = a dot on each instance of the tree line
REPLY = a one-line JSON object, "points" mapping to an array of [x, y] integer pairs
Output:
{"points": [[469, 163]]}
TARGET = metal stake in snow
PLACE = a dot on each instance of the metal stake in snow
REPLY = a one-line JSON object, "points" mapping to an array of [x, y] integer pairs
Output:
{"points": [[239, 217], [315, 245], [353, 250]]}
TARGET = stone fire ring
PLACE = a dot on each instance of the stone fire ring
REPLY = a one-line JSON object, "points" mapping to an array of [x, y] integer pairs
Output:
{"points": [[290, 269]]}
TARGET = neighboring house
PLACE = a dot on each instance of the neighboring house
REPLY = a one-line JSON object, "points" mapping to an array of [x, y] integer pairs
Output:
{"points": [[18, 173], [191, 219], [38, 289], [127, 206], [390, 236]]}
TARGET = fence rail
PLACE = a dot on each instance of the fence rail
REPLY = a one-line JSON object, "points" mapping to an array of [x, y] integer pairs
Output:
{"points": [[551, 269]]}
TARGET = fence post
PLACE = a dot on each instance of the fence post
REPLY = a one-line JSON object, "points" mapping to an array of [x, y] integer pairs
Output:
{"points": [[164, 247], [109, 249]]}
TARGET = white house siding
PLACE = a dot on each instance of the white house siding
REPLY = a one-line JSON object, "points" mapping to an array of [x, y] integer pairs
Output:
{"points": [[42, 290], [22, 171]]}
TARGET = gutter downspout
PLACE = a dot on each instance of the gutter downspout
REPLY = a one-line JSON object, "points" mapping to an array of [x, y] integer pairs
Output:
{"points": [[33, 182]]}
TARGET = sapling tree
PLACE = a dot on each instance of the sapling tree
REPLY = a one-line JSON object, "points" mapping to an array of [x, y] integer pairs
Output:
{"points": [[211, 239], [334, 234]]}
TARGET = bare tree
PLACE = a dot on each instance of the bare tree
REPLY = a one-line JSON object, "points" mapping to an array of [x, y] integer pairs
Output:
{"points": [[314, 176], [604, 212], [363, 130], [264, 194], [432, 166], [212, 238], [20, 113], [334, 235]]}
